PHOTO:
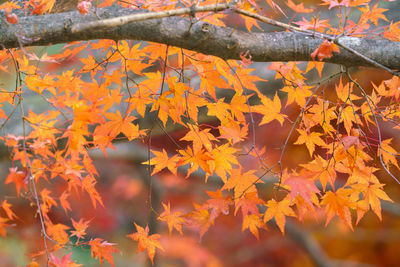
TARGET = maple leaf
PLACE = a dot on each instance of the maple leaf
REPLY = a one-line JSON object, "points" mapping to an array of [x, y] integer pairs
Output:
{"points": [[373, 15], [200, 218], [19, 178], [64, 262], [310, 139], [339, 203], [80, 228], [3, 224], [322, 170], [58, 233], [253, 222], [162, 161], [64, 203], [314, 24], [117, 125], [223, 157], [270, 110], [248, 204], [88, 184], [218, 203], [344, 92], [298, 94], [301, 186], [174, 220], [349, 117], [372, 195], [201, 158], [278, 210], [7, 208], [393, 33], [325, 50], [298, 8], [200, 138], [103, 250], [241, 183], [146, 241], [233, 131], [388, 153]]}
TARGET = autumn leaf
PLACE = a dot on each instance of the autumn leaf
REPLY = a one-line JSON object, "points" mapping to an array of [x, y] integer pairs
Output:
{"points": [[270, 109], [310, 139], [64, 262], [102, 250], [80, 228], [241, 183], [325, 50], [7, 208], [372, 195], [146, 241], [298, 94], [58, 232], [200, 218], [248, 204], [19, 178], [218, 203], [174, 220], [200, 138], [253, 222], [278, 210], [299, 8], [3, 224], [339, 203], [389, 154], [301, 186], [64, 202], [162, 161]]}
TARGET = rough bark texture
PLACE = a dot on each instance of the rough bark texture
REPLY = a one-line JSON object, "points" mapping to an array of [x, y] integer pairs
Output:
{"points": [[198, 36]]}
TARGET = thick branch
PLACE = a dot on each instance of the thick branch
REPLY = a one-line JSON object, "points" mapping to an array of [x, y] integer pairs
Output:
{"points": [[194, 35]]}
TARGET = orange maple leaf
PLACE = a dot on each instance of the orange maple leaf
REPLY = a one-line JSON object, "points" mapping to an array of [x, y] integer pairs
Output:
{"points": [[218, 203], [372, 195], [339, 203], [310, 139], [19, 178], [174, 220], [7, 208], [200, 218], [241, 183], [270, 110], [299, 8], [162, 161], [80, 228], [279, 210], [325, 50], [248, 204], [253, 222], [102, 249], [58, 232], [146, 241]]}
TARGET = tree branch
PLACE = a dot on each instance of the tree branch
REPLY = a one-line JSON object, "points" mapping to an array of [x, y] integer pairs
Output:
{"points": [[199, 36]]}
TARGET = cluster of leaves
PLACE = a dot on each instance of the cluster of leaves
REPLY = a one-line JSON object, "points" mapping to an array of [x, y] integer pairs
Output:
{"points": [[119, 83]]}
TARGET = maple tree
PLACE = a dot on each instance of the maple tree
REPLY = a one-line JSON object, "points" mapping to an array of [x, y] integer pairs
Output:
{"points": [[321, 145]]}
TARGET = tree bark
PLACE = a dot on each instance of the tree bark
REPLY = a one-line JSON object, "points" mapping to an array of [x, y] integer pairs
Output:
{"points": [[199, 36]]}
